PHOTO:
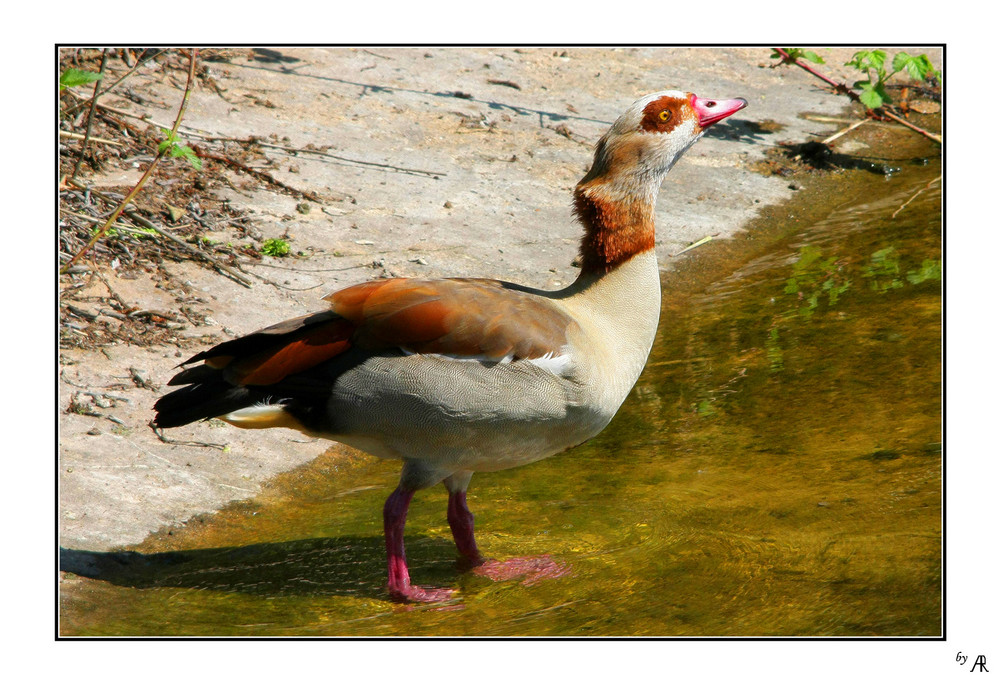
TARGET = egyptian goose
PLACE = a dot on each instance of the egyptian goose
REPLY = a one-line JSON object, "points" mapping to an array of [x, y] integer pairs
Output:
{"points": [[456, 376]]}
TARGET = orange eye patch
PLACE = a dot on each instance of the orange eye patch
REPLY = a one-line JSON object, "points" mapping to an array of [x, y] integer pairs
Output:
{"points": [[662, 115]]}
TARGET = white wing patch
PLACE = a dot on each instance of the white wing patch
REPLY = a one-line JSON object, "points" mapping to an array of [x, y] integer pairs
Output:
{"points": [[556, 363], [467, 359]]}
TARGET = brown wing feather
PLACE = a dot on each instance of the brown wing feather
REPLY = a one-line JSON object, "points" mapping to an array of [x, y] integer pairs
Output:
{"points": [[308, 349], [480, 318], [457, 316]]}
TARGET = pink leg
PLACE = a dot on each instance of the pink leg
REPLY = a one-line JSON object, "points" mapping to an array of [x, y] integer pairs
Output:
{"points": [[394, 517], [460, 520], [532, 569]]}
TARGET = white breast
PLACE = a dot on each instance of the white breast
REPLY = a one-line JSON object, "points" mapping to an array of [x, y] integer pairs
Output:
{"points": [[618, 315]]}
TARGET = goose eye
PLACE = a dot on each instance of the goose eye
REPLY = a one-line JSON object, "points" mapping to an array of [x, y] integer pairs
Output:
{"points": [[665, 115]]}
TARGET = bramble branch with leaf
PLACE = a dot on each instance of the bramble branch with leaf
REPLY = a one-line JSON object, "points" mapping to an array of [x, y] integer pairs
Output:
{"points": [[870, 91]]}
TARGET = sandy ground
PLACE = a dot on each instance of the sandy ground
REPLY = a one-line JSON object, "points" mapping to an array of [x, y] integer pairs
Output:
{"points": [[493, 141]]}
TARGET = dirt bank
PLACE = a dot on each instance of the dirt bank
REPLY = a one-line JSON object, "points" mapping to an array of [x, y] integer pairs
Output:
{"points": [[435, 162]]}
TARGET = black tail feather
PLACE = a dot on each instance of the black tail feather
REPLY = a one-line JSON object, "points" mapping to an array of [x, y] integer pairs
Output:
{"points": [[197, 374], [209, 394], [201, 402]]}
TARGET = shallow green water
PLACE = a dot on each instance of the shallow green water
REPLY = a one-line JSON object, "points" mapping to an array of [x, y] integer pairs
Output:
{"points": [[776, 471]]}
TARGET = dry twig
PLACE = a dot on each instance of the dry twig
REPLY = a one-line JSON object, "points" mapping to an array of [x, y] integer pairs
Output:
{"points": [[84, 102], [704, 240], [256, 173], [917, 194], [90, 116], [179, 442], [844, 131], [77, 136], [134, 215], [145, 176]]}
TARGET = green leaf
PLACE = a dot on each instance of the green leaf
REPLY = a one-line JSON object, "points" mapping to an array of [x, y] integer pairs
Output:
{"points": [[877, 59], [929, 270], [275, 247], [169, 140], [869, 59], [901, 61], [931, 71], [185, 152], [880, 89], [798, 53], [916, 67], [870, 96], [883, 254], [172, 144], [807, 255], [921, 67], [74, 77]]}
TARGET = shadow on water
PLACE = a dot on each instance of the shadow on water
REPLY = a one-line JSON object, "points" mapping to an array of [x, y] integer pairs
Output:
{"points": [[309, 567], [776, 471]]}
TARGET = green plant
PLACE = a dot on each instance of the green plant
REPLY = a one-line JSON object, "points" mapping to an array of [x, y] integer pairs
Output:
{"points": [[705, 409], [930, 269], [883, 270], [872, 63], [775, 356], [813, 277], [171, 144], [275, 247], [73, 77]]}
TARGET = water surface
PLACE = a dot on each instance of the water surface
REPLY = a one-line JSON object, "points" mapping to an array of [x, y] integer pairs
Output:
{"points": [[776, 471]]}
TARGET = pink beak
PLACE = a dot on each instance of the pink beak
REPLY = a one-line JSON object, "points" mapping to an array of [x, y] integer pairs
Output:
{"points": [[712, 111]]}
